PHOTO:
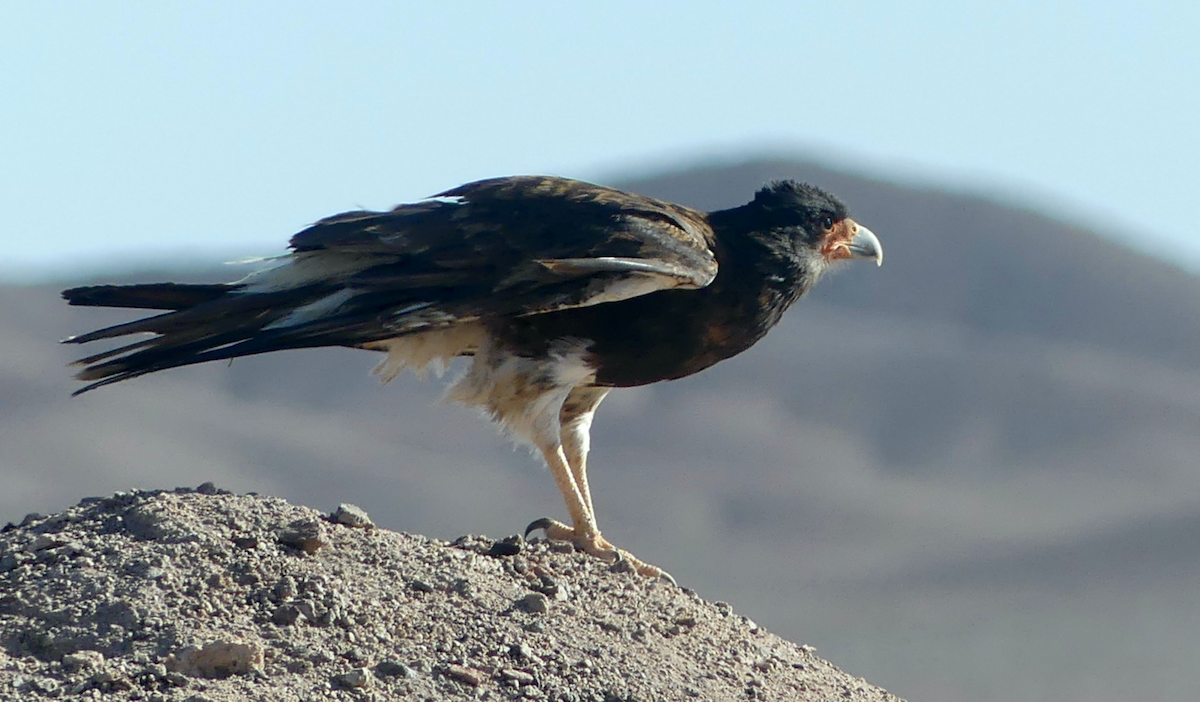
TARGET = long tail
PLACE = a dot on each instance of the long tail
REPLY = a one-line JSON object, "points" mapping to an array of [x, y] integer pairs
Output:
{"points": [[203, 323]]}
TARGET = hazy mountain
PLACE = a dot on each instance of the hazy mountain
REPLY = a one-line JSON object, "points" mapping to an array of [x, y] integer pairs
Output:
{"points": [[968, 475]]}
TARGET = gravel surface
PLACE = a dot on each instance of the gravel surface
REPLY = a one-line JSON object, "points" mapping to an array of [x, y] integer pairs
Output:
{"points": [[205, 596]]}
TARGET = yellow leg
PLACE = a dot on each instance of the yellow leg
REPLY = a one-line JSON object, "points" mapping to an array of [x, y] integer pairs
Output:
{"points": [[568, 464]]}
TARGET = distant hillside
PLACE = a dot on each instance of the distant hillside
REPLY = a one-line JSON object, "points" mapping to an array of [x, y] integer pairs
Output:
{"points": [[979, 459]]}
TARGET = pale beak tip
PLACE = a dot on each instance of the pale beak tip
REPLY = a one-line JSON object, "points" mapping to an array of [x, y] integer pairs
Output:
{"points": [[866, 245]]}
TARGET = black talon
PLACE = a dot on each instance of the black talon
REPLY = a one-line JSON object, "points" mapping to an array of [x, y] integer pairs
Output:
{"points": [[543, 523]]}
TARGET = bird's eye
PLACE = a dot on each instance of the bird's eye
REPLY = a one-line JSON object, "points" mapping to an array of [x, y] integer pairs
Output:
{"points": [[827, 222]]}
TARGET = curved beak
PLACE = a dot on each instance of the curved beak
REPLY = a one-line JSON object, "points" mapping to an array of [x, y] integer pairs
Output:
{"points": [[865, 244]]}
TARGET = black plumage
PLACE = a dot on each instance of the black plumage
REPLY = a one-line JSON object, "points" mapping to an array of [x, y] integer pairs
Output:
{"points": [[558, 289]]}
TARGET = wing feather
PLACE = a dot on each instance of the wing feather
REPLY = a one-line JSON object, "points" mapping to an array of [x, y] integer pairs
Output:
{"points": [[502, 247], [522, 245]]}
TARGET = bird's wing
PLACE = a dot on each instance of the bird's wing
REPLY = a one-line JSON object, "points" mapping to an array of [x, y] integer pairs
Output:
{"points": [[501, 247]]}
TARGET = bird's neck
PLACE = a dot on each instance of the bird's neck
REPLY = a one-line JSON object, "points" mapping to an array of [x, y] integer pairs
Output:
{"points": [[759, 276]]}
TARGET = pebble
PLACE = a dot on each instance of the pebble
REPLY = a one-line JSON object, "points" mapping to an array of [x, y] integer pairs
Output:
{"points": [[510, 546], [217, 659], [394, 669], [467, 675], [517, 676], [359, 677], [286, 614], [83, 660], [352, 516], [308, 535], [285, 588], [534, 602], [45, 541]]}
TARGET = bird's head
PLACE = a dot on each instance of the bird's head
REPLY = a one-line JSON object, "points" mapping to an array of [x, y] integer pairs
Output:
{"points": [[815, 222]]}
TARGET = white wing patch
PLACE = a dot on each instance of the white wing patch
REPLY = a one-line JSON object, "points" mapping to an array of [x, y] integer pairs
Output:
{"points": [[298, 269], [626, 277], [315, 310], [632, 286]]}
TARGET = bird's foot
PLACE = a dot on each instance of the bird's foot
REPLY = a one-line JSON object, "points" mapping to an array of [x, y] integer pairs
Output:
{"points": [[596, 545]]}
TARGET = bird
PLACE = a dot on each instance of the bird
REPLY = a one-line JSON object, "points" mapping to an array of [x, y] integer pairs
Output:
{"points": [[555, 291]]}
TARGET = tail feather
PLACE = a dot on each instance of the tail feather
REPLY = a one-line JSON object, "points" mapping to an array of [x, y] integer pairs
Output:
{"points": [[266, 305], [149, 296], [223, 323], [215, 322]]}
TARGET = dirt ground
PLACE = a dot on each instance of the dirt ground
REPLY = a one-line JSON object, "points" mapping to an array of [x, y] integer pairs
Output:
{"points": [[205, 596]]}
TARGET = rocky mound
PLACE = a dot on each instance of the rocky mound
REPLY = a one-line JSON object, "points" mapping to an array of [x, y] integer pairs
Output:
{"points": [[195, 595]]}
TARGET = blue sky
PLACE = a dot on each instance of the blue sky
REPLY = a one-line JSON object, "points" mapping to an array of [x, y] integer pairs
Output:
{"points": [[136, 132]]}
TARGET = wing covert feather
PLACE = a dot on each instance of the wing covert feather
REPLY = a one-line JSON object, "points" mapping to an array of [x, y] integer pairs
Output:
{"points": [[515, 246]]}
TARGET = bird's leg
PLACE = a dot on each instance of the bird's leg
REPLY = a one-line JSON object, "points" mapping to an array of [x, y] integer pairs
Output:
{"points": [[575, 420], [583, 532]]}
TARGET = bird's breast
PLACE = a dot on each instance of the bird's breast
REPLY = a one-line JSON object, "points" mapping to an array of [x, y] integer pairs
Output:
{"points": [[661, 336]]}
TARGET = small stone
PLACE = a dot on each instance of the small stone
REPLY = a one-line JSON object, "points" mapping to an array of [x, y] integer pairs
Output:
{"points": [[111, 681], [9, 561], [218, 659], [352, 516], [510, 546], [285, 588], [83, 660], [248, 542], [622, 566], [536, 627], [208, 488], [394, 669], [466, 675], [518, 676], [520, 652], [420, 586], [45, 541], [534, 602], [359, 677], [286, 614], [551, 587], [308, 535]]}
